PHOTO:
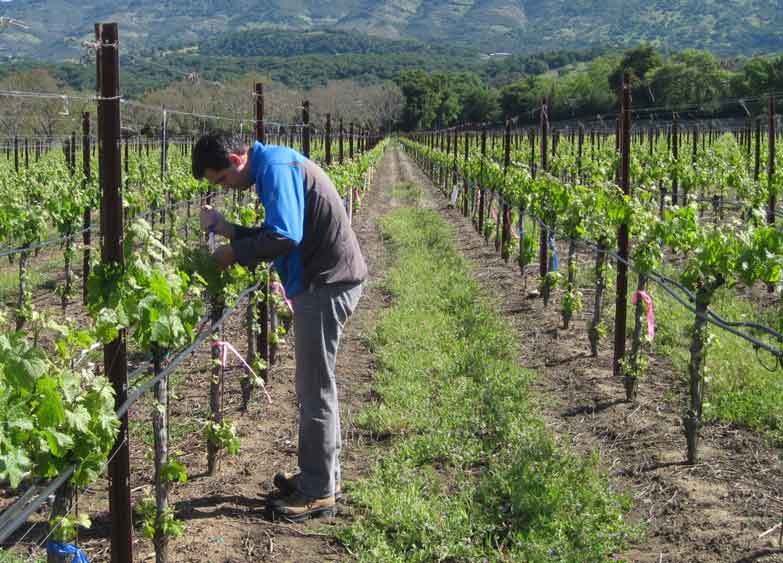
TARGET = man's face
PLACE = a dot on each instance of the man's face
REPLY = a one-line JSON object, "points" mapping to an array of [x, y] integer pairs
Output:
{"points": [[235, 176]]}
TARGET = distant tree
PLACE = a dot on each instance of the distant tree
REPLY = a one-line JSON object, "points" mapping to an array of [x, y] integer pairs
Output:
{"points": [[760, 75], [520, 98], [691, 77], [422, 100], [480, 105], [636, 63]]}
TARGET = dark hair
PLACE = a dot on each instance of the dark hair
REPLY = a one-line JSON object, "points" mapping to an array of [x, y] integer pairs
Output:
{"points": [[212, 150]]}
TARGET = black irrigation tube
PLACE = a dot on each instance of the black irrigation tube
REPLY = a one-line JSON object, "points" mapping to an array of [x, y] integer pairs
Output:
{"points": [[16, 514], [22, 513]]}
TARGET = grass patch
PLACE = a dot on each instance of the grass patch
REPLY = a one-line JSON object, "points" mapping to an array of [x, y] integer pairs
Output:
{"points": [[409, 193], [39, 276], [471, 474], [10, 557]]}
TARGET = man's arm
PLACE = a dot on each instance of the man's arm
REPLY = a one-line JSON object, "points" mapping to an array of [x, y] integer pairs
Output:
{"points": [[252, 245]]}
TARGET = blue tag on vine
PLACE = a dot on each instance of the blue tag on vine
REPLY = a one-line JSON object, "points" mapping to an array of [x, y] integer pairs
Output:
{"points": [[67, 549]]}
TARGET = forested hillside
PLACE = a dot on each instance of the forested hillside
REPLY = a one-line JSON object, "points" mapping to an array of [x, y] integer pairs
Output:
{"points": [[57, 27]]}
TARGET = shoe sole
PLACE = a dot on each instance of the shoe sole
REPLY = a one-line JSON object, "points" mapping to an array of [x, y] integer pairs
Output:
{"points": [[287, 490], [329, 512]]}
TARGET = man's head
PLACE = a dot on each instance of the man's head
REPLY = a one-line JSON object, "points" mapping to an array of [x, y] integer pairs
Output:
{"points": [[220, 158]]}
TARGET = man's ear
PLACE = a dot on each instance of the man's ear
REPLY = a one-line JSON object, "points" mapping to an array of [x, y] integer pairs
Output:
{"points": [[235, 159]]}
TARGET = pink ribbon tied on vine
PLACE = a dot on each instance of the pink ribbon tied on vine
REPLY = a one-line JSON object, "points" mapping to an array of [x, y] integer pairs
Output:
{"points": [[224, 348], [278, 287], [644, 296]]}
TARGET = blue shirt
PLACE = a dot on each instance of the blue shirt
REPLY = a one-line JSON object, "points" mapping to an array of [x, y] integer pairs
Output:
{"points": [[280, 188]]}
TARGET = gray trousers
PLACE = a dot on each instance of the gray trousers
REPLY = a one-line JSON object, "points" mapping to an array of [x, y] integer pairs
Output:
{"points": [[319, 317]]}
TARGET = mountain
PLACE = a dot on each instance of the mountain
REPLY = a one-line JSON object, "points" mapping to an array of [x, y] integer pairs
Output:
{"points": [[727, 27]]}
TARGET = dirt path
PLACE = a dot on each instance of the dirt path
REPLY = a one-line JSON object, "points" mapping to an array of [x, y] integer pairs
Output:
{"points": [[230, 507], [712, 512]]}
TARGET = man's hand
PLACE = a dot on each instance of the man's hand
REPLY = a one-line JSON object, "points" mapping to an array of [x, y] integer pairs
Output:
{"points": [[224, 257], [212, 220]]}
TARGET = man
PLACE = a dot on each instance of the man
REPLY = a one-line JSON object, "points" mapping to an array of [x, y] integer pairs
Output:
{"points": [[307, 234]]}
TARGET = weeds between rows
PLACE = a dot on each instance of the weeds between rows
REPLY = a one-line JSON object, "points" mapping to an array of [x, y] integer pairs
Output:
{"points": [[470, 473]]}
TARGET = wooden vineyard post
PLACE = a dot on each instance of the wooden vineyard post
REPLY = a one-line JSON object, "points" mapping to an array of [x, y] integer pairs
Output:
{"points": [[580, 149], [72, 163], [772, 196], [757, 156], [114, 353], [694, 157], [675, 156], [68, 251], [543, 250], [260, 125], [340, 153], [164, 145], [258, 311], [87, 216], [505, 247], [453, 174], [621, 303], [498, 216], [328, 139], [465, 184], [306, 128], [480, 187], [262, 336], [771, 201], [532, 138], [446, 169], [350, 141]]}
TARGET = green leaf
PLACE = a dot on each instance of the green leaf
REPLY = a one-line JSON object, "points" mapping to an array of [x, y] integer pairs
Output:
{"points": [[58, 442], [13, 466], [50, 411], [78, 418]]}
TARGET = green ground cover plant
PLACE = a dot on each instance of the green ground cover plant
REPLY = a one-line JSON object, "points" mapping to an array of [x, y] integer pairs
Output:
{"points": [[469, 473]]}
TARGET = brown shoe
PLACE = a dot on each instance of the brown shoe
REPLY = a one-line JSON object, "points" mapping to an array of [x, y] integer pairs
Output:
{"points": [[296, 507], [285, 482]]}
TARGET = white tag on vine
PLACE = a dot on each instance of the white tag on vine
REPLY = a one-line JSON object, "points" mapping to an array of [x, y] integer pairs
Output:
{"points": [[454, 195]]}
